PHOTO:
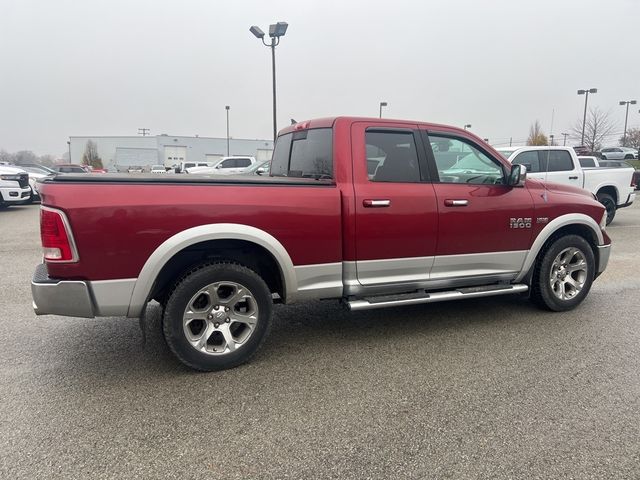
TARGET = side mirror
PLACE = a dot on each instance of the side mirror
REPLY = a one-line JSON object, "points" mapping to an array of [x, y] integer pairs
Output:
{"points": [[218, 167], [518, 176]]}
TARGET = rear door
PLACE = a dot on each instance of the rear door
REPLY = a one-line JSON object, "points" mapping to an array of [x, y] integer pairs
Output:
{"points": [[396, 212], [484, 225]]}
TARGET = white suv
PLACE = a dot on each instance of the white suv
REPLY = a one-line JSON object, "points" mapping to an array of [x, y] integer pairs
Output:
{"points": [[618, 153], [14, 186]]}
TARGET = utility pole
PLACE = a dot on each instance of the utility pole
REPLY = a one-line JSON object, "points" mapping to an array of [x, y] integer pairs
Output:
{"points": [[144, 131], [227, 108], [564, 142]]}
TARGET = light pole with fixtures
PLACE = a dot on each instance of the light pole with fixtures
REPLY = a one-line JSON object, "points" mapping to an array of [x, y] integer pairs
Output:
{"points": [[69, 145], [626, 117], [227, 108], [468, 125], [585, 92], [382, 104], [276, 31]]}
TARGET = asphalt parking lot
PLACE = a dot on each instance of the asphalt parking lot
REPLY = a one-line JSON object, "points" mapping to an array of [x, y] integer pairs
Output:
{"points": [[490, 388]]}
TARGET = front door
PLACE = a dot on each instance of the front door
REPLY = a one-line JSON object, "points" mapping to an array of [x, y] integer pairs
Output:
{"points": [[485, 226], [396, 212]]}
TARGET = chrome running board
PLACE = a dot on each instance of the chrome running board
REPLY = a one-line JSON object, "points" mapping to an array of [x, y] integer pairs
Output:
{"points": [[415, 298]]}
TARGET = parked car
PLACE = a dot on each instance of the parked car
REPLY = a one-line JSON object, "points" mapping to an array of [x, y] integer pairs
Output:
{"points": [[158, 169], [14, 186], [226, 166], [613, 187], [183, 166], [35, 174], [619, 153], [70, 168], [216, 251]]}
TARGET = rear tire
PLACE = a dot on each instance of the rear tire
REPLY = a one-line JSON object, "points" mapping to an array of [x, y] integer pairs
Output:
{"points": [[610, 204], [563, 274], [628, 157], [217, 316]]}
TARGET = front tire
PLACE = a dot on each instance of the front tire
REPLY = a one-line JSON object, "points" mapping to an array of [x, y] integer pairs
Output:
{"points": [[610, 204], [563, 274], [217, 316]]}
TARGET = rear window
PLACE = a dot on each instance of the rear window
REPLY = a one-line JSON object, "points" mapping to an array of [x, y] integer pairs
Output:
{"points": [[587, 162], [305, 153]]}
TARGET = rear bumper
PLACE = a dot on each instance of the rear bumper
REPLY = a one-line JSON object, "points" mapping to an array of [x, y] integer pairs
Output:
{"points": [[630, 199], [70, 298], [78, 298], [604, 251]]}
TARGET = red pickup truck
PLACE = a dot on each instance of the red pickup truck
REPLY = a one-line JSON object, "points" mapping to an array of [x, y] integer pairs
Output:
{"points": [[373, 212]]}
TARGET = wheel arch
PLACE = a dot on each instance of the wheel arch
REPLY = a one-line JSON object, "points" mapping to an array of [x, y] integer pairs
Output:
{"points": [[180, 251], [610, 190], [569, 224]]}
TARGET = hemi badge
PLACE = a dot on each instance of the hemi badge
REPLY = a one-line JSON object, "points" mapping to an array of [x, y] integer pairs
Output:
{"points": [[542, 220]]}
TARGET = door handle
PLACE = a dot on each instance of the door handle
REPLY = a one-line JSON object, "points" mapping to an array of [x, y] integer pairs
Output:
{"points": [[370, 203], [573, 178], [456, 203]]}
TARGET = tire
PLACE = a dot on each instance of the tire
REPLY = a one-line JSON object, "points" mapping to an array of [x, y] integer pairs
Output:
{"points": [[610, 204], [628, 157], [217, 316], [550, 287]]}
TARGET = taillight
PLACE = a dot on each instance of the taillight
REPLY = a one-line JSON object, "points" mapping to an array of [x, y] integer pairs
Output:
{"points": [[57, 241]]}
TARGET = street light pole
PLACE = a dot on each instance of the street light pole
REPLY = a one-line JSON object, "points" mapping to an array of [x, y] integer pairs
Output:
{"points": [[585, 92], [276, 31], [227, 108], [626, 117], [382, 104], [69, 145], [564, 142], [468, 125]]}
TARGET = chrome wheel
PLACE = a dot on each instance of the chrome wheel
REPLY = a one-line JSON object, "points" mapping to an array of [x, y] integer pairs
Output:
{"points": [[220, 318], [568, 273]]}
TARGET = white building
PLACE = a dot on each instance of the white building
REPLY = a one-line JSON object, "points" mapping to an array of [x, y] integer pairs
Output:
{"points": [[167, 150]]}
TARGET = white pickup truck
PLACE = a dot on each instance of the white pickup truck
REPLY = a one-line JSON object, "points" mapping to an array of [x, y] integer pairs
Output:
{"points": [[14, 186], [612, 186]]}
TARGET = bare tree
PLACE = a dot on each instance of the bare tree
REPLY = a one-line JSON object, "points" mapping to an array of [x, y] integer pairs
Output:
{"points": [[90, 156], [6, 157], [597, 127], [536, 135], [633, 138], [24, 157]]}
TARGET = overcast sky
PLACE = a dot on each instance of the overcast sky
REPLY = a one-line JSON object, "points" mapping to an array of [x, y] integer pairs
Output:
{"points": [[110, 67]]}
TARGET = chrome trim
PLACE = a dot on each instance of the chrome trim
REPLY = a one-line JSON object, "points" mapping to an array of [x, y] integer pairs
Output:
{"points": [[475, 264], [72, 241], [112, 297], [203, 233], [67, 298], [550, 229], [604, 252], [363, 304], [319, 281]]}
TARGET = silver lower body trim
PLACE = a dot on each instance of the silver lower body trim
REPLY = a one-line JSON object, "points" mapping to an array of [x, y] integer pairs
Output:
{"points": [[319, 281], [604, 252]]}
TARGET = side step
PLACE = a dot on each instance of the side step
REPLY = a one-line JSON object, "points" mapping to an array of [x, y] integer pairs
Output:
{"points": [[383, 301]]}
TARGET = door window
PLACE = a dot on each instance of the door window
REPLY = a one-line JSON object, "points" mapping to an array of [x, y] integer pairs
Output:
{"points": [[530, 160], [242, 162], [459, 161], [559, 160], [392, 157]]}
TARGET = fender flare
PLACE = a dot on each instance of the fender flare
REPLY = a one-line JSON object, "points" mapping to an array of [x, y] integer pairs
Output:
{"points": [[551, 228], [217, 231]]}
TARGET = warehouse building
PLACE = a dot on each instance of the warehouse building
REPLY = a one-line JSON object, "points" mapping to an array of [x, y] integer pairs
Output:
{"points": [[122, 153]]}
